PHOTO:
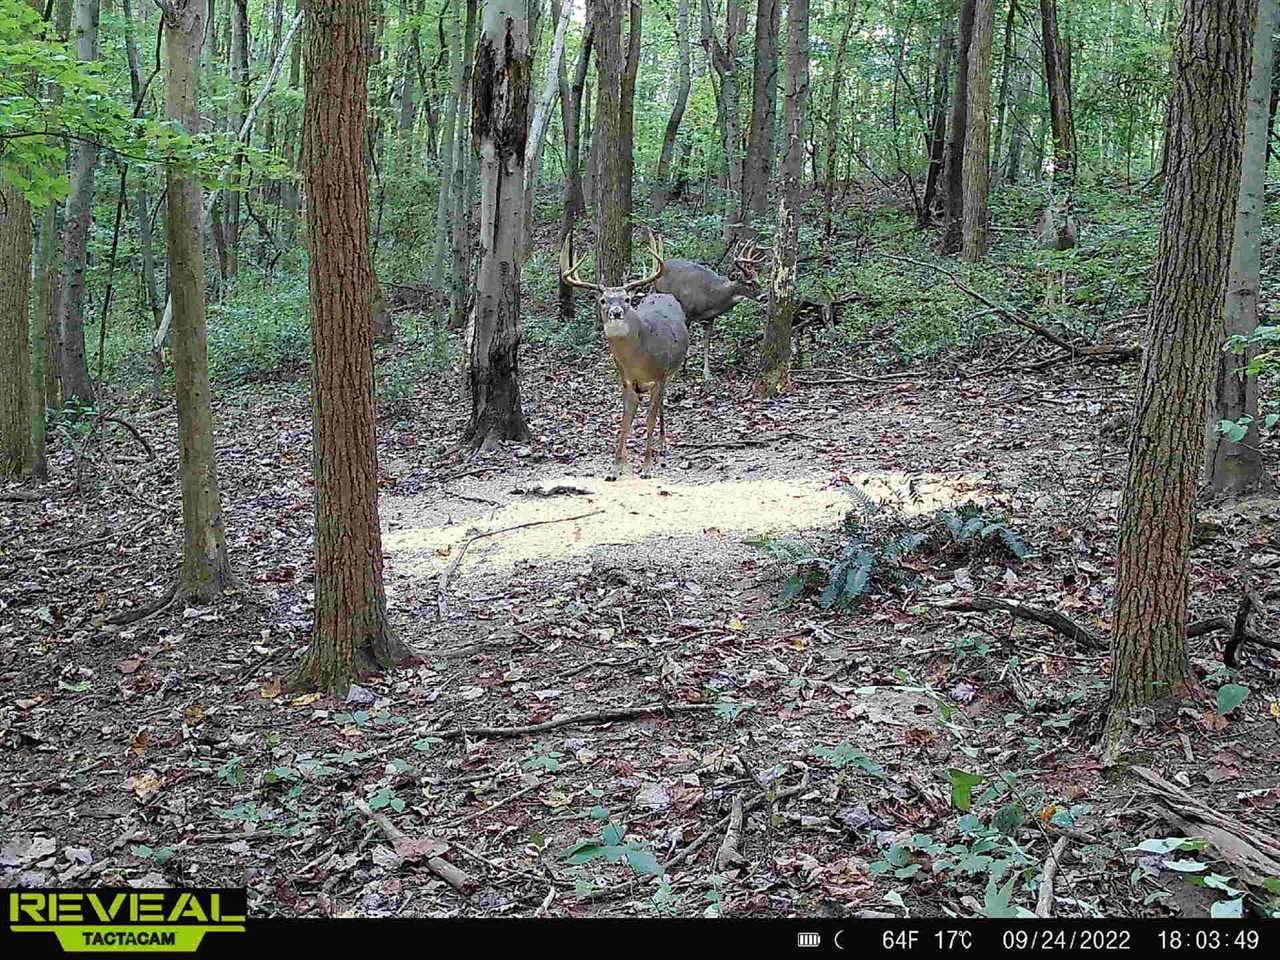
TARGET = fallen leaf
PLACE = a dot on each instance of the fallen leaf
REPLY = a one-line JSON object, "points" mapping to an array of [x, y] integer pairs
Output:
{"points": [[272, 688]]}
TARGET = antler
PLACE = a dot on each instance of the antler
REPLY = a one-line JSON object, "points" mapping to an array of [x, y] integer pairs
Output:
{"points": [[749, 258], [655, 251], [569, 274]]}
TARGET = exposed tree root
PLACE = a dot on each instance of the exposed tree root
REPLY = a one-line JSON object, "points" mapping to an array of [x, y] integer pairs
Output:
{"points": [[460, 880], [1025, 611]]}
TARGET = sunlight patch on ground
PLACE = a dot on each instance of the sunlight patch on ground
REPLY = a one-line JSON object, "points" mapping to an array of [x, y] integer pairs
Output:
{"points": [[662, 522]]}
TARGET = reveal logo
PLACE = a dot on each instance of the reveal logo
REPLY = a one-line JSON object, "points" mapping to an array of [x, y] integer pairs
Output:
{"points": [[109, 920]]}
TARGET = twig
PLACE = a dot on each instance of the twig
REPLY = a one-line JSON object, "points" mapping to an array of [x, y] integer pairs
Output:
{"points": [[458, 879], [133, 616], [595, 716], [52, 551], [442, 587], [1044, 905], [494, 806]]}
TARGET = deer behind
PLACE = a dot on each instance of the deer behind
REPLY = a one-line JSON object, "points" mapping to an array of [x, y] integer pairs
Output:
{"points": [[705, 294], [648, 339]]}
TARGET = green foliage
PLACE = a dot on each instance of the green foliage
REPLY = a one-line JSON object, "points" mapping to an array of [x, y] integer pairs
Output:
{"points": [[877, 542], [612, 846]]}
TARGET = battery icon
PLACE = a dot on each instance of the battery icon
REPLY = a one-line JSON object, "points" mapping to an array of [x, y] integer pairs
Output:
{"points": [[808, 939]]}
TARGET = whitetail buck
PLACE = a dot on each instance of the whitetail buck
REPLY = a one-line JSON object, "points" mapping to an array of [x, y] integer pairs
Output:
{"points": [[648, 338], [705, 294]]}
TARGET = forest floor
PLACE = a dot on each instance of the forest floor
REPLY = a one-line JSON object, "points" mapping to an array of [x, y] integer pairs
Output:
{"points": [[168, 751]]}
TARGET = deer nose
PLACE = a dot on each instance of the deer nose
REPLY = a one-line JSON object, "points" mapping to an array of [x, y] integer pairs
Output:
{"points": [[615, 312]]}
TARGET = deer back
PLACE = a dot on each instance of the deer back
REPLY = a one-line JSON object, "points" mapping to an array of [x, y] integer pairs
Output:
{"points": [[703, 293]]}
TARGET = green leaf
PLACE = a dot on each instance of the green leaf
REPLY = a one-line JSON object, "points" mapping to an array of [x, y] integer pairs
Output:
{"points": [[962, 784], [1230, 696], [1227, 909], [642, 861]]}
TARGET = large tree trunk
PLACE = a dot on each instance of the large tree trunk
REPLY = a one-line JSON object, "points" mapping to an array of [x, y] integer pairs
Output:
{"points": [[463, 181], [351, 639], [43, 325], [206, 573], [1008, 55], [574, 205], [959, 127], [1205, 127], [1058, 227], [724, 60], [15, 350], [977, 174], [775, 368], [661, 185], [500, 118], [1232, 467], [75, 241], [758, 166], [613, 217]]}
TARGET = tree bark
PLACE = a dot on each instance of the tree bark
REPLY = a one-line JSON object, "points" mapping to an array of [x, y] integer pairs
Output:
{"points": [[463, 181], [661, 185], [351, 639], [500, 120], [613, 218], [142, 212], [449, 151], [758, 166], [542, 120], [15, 349], [627, 117], [938, 126], [1233, 468], [951, 232], [571, 116], [1204, 132], [75, 242], [239, 107], [977, 173], [206, 572], [775, 370], [1059, 229]]}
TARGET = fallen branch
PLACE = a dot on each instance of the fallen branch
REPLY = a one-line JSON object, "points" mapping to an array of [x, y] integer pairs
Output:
{"points": [[1085, 351], [446, 871], [728, 854], [442, 587], [142, 613], [137, 435], [19, 496], [1044, 904], [1255, 853], [595, 716], [1025, 611]]}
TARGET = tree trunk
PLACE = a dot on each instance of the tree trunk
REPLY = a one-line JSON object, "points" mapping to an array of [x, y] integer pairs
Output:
{"points": [[951, 232], [239, 107], [758, 166], [1008, 54], [725, 61], [1236, 468], [775, 371], [500, 118], [206, 572], [977, 174], [351, 639], [938, 127], [833, 114], [541, 121], [1205, 128], [141, 208], [463, 179], [15, 350], [449, 158], [627, 116], [289, 190], [75, 243], [574, 205], [1059, 229], [661, 185], [613, 218], [45, 285]]}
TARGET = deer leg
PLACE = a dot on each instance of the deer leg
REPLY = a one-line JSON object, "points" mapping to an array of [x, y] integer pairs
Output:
{"points": [[655, 408], [706, 352], [630, 400]]}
